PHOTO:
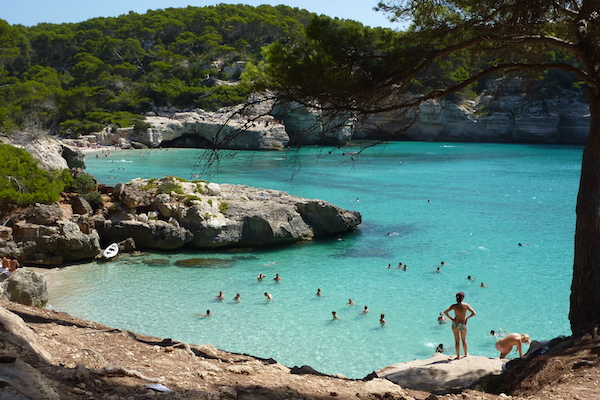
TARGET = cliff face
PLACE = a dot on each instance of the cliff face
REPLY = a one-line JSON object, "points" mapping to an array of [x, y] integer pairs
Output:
{"points": [[501, 114]]}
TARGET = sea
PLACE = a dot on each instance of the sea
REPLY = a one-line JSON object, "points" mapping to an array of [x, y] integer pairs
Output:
{"points": [[458, 215]]}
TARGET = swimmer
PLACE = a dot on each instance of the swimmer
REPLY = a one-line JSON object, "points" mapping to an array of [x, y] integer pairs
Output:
{"points": [[220, 296], [442, 318], [277, 278], [365, 310], [237, 297], [334, 315], [351, 303], [399, 266], [389, 266], [499, 334], [208, 314], [319, 293], [505, 345], [260, 277], [269, 296], [470, 278], [439, 348], [438, 270], [404, 267], [482, 284], [382, 320], [459, 322]]}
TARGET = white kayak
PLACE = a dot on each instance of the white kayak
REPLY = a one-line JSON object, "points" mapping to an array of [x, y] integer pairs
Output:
{"points": [[111, 251]]}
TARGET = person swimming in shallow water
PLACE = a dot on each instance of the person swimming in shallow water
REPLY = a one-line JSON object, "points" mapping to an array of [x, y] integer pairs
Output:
{"points": [[459, 322], [208, 314]]}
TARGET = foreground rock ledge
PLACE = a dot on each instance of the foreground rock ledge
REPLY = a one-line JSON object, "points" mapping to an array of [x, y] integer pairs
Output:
{"points": [[51, 355], [441, 371]]}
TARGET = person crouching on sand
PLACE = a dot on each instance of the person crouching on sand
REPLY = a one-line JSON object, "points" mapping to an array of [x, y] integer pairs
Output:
{"points": [[459, 322], [505, 345]]}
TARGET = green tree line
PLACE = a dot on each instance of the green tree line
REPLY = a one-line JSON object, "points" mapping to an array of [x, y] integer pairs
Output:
{"points": [[80, 77]]}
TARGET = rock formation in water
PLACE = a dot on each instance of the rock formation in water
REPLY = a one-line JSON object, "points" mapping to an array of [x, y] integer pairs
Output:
{"points": [[170, 214], [167, 214]]}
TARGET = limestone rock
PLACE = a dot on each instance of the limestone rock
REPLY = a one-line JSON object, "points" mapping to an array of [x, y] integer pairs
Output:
{"points": [[19, 376], [199, 214], [25, 287], [54, 244], [228, 130], [81, 206], [47, 214], [441, 371], [307, 126], [158, 235]]}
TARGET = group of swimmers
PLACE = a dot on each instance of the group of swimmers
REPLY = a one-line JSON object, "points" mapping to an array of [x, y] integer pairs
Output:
{"points": [[462, 312], [438, 270], [269, 296]]}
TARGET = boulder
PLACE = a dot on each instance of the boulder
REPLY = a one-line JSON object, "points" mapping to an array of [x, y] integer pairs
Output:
{"points": [[47, 214], [54, 244], [81, 206], [25, 287], [441, 372], [159, 235]]}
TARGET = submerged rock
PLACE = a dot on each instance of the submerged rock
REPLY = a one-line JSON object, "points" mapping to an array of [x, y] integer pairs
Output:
{"points": [[204, 262]]}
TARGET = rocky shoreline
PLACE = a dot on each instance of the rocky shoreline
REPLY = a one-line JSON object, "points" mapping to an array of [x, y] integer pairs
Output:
{"points": [[50, 355], [166, 214]]}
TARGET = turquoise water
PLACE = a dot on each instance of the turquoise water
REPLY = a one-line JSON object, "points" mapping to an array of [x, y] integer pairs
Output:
{"points": [[469, 205]]}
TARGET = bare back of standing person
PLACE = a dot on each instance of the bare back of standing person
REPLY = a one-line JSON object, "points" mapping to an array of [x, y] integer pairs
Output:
{"points": [[459, 322]]}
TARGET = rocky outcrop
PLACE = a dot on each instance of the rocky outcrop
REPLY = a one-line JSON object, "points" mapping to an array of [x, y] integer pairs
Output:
{"points": [[503, 113], [50, 235], [25, 287], [200, 214], [441, 371], [228, 130], [310, 126], [167, 214], [50, 153]]}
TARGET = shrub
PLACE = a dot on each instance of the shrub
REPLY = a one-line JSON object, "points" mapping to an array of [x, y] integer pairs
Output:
{"points": [[223, 207], [95, 199], [22, 182], [188, 200], [83, 184], [168, 187]]}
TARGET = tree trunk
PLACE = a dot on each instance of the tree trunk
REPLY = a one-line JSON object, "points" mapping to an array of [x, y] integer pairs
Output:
{"points": [[585, 288]]}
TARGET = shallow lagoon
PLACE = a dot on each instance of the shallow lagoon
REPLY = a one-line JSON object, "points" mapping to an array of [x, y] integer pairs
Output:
{"points": [[469, 205]]}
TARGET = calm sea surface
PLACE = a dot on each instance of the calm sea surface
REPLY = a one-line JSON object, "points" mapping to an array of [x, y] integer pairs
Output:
{"points": [[469, 205]]}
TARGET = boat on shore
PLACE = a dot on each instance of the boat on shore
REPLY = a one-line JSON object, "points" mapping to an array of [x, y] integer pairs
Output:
{"points": [[110, 252]]}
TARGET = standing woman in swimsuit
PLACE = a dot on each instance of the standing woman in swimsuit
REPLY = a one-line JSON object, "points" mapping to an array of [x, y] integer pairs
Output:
{"points": [[459, 322]]}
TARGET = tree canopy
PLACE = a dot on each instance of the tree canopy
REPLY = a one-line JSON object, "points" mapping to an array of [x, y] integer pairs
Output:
{"points": [[450, 46], [80, 77]]}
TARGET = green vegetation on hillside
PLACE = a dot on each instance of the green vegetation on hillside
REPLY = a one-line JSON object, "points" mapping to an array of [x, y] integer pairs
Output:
{"points": [[80, 77], [22, 182]]}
